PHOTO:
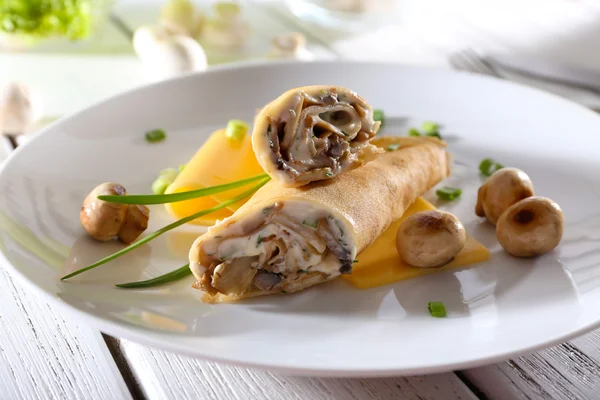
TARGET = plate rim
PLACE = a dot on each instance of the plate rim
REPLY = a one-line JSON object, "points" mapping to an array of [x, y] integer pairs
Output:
{"points": [[121, 329]]}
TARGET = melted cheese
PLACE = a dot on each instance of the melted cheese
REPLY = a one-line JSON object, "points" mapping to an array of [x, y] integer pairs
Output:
{"points": [[380, 263], [220, 160]]}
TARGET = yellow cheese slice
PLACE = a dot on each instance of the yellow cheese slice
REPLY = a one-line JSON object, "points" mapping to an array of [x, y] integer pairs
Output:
{"points": [[380, 263], [220, 160]]}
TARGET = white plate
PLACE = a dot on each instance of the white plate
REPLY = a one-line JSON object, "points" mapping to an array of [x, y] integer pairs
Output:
{"points": [[496, 310]]}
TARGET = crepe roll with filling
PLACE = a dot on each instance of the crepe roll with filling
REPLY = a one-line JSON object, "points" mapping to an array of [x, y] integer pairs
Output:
{"points": [[314, 133], [287, 239]]}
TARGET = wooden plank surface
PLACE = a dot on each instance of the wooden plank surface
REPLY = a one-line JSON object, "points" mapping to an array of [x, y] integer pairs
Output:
{"points": [[44, 355], [168, 375]]}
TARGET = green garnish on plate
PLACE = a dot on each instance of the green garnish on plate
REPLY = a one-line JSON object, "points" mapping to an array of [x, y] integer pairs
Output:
{"points": [[169, 277], [429, 128], [488, 166], [448, 193], [392, 147], [378, 115], [155, 136], [436, 309], [237, 129], [165, 178], [414, 132]]}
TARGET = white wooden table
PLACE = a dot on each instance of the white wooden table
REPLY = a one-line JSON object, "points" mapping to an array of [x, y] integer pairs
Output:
{"points": [[44, 354]]}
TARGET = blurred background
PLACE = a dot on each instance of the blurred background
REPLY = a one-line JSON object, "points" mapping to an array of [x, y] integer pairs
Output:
{"points": [[67, 54]]}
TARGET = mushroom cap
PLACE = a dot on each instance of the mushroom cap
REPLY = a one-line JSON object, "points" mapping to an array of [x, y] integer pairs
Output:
{"points": [[531, 227], [102, 220], [136, 222], [503, 189], [430, 238]]}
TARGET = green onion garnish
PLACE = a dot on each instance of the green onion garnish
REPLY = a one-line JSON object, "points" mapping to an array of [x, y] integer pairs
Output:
{"points": [[378, 115], [488, 166], [436, 309], [236, 129], [414, 132], [448, 193], [354, 261], [429, 128], [172, 276], [174, 197], [155, 136], [165, 178], [259, 240], [392, 147], [167, 228], [328, 174]]}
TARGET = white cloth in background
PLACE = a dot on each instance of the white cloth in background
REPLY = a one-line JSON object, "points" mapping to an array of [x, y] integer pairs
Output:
{"points": [[565, 31]]}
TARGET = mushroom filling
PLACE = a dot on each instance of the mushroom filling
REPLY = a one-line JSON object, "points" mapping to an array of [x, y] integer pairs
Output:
{"points": [[320, 136], [274, 250]]}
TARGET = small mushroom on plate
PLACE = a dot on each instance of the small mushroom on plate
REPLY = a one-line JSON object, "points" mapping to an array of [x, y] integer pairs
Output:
{"points": [[430, 238], [503, 189], [531, 227], [104, 221]]}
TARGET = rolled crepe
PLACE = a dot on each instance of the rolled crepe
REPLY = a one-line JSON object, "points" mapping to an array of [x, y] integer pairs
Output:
{"points": [[314, 133], [287, 239]]}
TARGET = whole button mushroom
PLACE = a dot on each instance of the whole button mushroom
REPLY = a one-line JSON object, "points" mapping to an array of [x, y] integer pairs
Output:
{"points": [[104, 221], [430, 238], [531, 227], [503, 189]]}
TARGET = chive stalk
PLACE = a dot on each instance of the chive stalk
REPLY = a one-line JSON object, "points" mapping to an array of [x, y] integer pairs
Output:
{"points": [[148, 199], [169, 277], [167, 228]]}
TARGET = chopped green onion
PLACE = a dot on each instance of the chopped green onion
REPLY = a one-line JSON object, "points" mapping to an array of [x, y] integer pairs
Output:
{"points": [[169, 277], [165, 178], [414, 132], [392, 147], [448, 193], [354, 261], [436, 309], [312, 225], [175, 197], [167, 228], [328, 174], [378, 115], [236, 129], [429, 128], [259, 240], [488, 166], [434, 134], [155, 136]]}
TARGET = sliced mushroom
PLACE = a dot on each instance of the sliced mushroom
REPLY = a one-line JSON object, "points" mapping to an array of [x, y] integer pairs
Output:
{"points": [[136, 222], [531, 227], [104, 221], [503, 189], [430, 238]]}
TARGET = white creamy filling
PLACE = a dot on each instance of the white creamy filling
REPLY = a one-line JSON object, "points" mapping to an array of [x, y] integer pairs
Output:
{"points": [[274, 247]]}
